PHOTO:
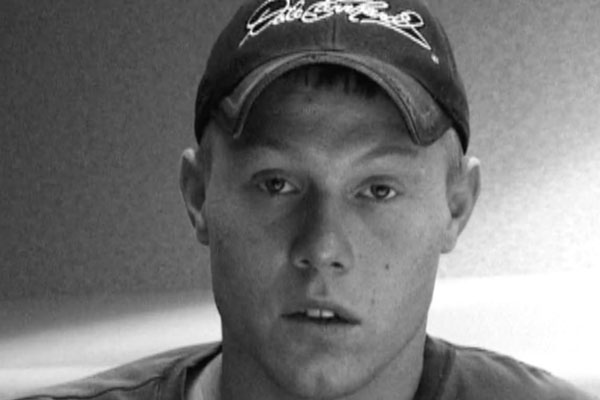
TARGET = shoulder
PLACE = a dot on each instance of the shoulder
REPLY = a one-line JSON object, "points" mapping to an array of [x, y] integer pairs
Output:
{"points": [[477, 373], [145, 379]]}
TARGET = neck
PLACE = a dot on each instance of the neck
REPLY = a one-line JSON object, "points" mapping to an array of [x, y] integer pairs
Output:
{"points": [[397, 380]]}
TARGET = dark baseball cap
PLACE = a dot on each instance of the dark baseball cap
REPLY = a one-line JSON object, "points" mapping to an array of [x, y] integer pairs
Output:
{"points": [[398, 44]]}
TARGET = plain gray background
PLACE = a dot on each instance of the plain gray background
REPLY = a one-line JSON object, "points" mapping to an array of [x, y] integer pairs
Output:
{"points": [[96, 105]]}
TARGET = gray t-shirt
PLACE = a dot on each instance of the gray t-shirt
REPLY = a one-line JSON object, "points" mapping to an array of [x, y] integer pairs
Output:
{"points": [[450, 372]]}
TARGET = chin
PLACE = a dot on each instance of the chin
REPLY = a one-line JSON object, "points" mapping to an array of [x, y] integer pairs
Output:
{"points": [[322, 379]]}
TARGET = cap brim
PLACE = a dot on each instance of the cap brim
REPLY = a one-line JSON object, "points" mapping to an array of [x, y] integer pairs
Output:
{"points": [[424, 119]]}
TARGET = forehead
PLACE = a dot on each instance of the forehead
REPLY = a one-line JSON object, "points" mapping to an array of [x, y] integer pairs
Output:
{"points": [[332, 113]]}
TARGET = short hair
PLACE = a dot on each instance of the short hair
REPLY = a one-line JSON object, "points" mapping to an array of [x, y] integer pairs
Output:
{"points": [[331, 76], [351, 82], [204, 152], [451, 143]]}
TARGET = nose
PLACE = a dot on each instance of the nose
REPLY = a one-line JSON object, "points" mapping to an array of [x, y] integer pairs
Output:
{"points": [[322, 242]]}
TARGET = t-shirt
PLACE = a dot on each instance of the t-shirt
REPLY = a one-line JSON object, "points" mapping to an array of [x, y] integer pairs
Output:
{"points": [[450, 372], [206, 387]]}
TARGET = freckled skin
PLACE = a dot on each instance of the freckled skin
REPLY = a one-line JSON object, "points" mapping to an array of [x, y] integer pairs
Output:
{"points": [[257, 240]]}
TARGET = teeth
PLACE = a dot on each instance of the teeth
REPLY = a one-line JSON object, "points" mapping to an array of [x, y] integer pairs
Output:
{"points": [[321, 314]]}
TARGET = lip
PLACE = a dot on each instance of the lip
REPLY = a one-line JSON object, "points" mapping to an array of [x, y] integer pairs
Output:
{"points": [[345, 313]]}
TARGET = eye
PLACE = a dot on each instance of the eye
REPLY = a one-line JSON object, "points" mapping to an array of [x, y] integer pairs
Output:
{"points": [[276, 186], [379, 192]]}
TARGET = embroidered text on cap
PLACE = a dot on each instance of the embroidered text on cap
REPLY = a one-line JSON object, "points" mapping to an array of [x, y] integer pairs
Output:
{"points": [[276, 12]]}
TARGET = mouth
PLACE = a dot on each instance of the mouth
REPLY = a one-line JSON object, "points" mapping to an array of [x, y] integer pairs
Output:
{"points": [[322, 316]]}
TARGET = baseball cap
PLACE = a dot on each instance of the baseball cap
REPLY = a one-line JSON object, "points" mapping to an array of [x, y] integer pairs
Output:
{"points": [[398, 44]]}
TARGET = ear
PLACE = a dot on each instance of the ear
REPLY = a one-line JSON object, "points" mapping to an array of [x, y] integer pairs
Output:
{"points": [[192, 183], [462, 195]]}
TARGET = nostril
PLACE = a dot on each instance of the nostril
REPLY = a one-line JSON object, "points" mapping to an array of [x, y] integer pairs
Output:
{"points": [[337, 265], [303, 263]]}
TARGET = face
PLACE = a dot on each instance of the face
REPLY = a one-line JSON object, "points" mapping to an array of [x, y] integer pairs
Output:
{"points": [[325, 224]]}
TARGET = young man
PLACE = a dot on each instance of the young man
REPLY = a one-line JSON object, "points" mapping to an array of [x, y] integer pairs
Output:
{"points": [[330, 176]]}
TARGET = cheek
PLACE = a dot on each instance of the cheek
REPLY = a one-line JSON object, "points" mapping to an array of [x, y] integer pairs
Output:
{"points": [[400, 277], [405, 236], [245, 256], [399, 297], [401, 255], [241, 280]]}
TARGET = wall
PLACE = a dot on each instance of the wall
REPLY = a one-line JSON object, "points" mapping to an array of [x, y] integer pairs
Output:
{"points": [[97, 104]]}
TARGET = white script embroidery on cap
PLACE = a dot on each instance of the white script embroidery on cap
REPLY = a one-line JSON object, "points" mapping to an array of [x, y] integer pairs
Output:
{"points": [[277, 12]]}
